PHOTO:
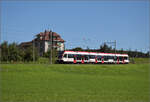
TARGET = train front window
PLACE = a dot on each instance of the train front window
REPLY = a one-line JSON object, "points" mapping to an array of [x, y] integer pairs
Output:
{"points": [[65, 55]]}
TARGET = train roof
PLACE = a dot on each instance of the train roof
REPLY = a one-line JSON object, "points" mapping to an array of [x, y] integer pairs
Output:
{"points": [[93, 53]]}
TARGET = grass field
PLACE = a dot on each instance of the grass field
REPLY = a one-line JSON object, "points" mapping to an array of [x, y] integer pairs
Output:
{"points": [[74, 83]]}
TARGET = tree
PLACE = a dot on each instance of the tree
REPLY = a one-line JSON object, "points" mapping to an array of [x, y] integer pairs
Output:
{"points": [[4, 51], [28, 54], [47, 54], [121, 51], [105, 48], [77, 49], [14, 52], [148, 54], [54, 55], [10, 52]]}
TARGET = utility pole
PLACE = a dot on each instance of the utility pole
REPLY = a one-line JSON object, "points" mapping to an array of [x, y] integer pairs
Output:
{"points": [[0, 48], [0, 41], [113, 43], [115, 50], [33, 51], [51, 46]]}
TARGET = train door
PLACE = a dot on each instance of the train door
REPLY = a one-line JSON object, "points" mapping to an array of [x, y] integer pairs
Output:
{"points": [[82, 59], [123, 60], [75, 59], [117, 60], [98, 59], [102, 59], [95, 59], [86, 58], [79, 58]]}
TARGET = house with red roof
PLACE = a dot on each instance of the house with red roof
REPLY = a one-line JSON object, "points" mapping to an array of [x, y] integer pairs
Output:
{"points": [[44, 41]]}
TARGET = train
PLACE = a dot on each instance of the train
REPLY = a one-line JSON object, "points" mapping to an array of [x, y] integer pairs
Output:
{"points": [[83, 57]]}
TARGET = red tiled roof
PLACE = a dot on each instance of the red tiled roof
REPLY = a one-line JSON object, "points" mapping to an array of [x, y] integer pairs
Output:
{"points": [[46, 36]]}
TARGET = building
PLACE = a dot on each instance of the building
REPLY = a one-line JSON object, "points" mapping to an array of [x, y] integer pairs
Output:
{"points": [[45, 40]]}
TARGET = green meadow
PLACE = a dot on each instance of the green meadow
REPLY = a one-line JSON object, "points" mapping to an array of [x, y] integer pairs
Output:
{"points": [[75, 83]]}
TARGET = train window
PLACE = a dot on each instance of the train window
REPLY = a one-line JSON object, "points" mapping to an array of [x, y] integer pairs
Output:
{"points": [[115, 58], [78, 57], [125, 58], [65, 55], [86, 57], [110, 57], [74, 55], [99, 57], [92, 56], [120, 58], [70, 55], [105, 58], [82, 57]]}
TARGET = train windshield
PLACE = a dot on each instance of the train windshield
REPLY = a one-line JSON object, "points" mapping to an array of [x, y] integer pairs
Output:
{"points": [[125, 58], [65, 55]]}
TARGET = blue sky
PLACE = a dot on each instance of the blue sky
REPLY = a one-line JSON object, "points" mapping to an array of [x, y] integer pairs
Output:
{"points": [[80, 23]]}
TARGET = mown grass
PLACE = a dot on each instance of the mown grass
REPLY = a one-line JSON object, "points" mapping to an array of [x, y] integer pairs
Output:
{"points": [[74, 83]]}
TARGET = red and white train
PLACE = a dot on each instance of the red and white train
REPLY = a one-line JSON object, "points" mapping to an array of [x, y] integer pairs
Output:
{"points": [[92, 57]]}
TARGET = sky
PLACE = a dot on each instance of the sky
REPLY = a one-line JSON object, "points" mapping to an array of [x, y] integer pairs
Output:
{"points": [[80, 23]]}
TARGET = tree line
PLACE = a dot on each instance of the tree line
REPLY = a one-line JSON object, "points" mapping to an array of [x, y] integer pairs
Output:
{"points": [[14, 53], [107, 49]]}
